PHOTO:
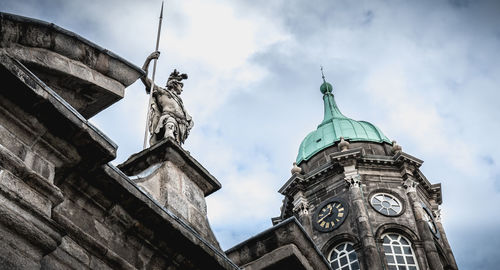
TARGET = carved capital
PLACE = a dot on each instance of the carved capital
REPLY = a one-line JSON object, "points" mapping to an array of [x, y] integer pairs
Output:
{"points": [[410, 185], [437, 215], [301, 205], [353, 180], [351, 176]]}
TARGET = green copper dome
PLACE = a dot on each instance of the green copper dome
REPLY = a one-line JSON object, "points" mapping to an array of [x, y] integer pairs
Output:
{"points": [[334, 126]]}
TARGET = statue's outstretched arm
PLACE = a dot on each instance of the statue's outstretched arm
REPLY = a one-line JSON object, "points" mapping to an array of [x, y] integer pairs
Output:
{"points": [[145, 80]]}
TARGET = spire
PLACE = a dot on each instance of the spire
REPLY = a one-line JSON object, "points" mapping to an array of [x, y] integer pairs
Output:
{"points": [[322, 74], [331, 109], [336, 128]]}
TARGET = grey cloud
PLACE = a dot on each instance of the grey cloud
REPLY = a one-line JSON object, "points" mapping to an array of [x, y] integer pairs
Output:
{"points": [[444, 53]]}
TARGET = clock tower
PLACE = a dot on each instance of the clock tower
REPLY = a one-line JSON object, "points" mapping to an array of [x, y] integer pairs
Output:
{"points": [[362, 200]]}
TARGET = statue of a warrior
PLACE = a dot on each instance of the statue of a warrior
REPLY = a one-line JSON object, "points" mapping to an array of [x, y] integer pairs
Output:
{"points": [[168, 116]]}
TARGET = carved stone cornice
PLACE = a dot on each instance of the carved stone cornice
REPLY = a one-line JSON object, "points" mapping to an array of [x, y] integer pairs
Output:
{"points": [[402, 157], [351, 154]]}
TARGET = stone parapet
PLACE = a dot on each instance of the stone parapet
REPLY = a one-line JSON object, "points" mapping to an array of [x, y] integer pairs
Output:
{"points": [[88, 77]]}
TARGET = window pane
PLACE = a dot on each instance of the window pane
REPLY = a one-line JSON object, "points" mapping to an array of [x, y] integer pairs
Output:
{"points": [[412, 268], [401, 267], [352, 257], [387, 249], [355, 265], [392, 267], [400, 259], [407, 250], [397, 250], [335, 265], [345, 268], [404, 242], [343, 261], [409, 260], [390, 259]]}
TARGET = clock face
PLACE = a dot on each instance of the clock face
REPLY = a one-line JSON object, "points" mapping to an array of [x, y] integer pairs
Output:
{"points": [[330, 215]]}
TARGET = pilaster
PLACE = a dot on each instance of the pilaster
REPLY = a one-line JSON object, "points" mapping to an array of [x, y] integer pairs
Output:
{"points": [[353, 180], [449, 253], [425, 234]]}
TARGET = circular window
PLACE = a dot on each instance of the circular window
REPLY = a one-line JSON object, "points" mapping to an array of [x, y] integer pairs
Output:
{"points": [[386, 204]]}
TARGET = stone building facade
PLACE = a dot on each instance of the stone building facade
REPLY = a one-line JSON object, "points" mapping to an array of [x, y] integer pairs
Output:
{"points": [[62, 204], [353, 197], [385, 212]]}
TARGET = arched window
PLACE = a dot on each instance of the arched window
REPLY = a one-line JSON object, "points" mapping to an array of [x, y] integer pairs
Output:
{"points": [[343, 257], [398, 252]]}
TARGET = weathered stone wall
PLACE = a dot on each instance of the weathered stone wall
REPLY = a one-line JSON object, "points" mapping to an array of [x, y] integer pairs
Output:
{"points": [[62, 206]]}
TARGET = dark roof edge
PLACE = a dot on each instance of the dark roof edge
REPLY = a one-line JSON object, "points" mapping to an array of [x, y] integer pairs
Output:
{"points": [[277, 226], [24, 19]]}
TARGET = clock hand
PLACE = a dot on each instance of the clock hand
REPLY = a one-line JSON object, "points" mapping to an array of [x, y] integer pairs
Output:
{"points": [[329, 213]]}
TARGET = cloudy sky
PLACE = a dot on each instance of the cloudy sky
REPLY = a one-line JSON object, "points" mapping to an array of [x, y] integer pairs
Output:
{"points": [[426, 73]]}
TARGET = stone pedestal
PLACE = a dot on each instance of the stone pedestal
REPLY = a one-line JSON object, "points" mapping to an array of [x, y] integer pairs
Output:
{"points": [[176, 181]]}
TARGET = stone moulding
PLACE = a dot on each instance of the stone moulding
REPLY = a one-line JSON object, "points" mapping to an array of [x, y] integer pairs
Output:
{"points": [[168, 150], [360, 155], [88, 76], [35, 97], [286, 241]]}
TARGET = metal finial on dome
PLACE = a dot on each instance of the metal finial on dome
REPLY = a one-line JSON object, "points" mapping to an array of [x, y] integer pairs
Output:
{"points": [[322, 74], [325, 87]]}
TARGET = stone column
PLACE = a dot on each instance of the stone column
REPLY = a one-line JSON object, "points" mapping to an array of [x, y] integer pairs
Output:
{"points": [[371, 254], [447, 248], [424, 232]]}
